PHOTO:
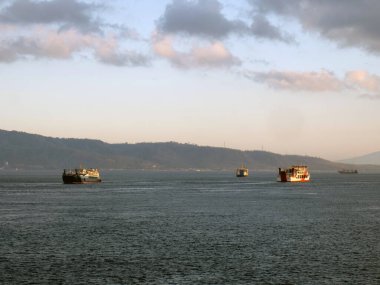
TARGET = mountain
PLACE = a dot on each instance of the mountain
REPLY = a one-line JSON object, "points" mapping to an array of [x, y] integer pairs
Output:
{"points": [[371, 158], [30, 151]]}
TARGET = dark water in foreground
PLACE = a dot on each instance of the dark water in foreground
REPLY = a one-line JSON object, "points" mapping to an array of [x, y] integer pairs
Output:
{"points": [[189, 228]]}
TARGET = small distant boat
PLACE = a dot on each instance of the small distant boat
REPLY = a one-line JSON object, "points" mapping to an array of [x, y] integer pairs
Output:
{"points": [[242, 171], [348, 171], [81, 176], [296, 173]]}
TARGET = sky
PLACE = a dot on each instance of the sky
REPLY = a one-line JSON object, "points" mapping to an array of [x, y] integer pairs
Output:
{"points": [[291, 77]]}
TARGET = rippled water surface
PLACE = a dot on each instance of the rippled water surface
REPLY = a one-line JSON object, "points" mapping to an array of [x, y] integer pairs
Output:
{"points": [[189, 228]]}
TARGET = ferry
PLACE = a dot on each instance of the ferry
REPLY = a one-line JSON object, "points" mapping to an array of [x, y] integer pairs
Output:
{"points": [[348, 171], [296, 173], [242, 171], [81, 176]]}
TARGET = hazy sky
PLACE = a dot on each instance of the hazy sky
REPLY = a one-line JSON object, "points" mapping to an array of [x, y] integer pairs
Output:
{"points": [[292, 77]]}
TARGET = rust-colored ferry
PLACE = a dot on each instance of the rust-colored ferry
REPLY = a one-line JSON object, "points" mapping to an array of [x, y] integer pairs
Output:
{"points": [[296, 173]]}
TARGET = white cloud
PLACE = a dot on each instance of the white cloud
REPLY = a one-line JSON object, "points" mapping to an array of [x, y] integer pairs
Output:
{"points": [[214, 54], [163, 46], [44, 42], [59, 29], [363, 80], [321, 81]]}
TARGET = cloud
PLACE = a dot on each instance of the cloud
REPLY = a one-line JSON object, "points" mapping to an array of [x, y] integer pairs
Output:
{"points": [[363, 80], [61, 29], [115, 57], [262, 28], [65, 13], [214, 54], [41, 42], [321, 81], [349, 23], [204, 18]]}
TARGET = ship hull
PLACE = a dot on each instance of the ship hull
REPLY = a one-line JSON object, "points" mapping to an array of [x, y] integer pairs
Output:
{"points": [[292, 179]]}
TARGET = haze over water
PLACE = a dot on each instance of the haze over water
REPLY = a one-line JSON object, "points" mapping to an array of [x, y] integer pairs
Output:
{"points": [[189, 228]]}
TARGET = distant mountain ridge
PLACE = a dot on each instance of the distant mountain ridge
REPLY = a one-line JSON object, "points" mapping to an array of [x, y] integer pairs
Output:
{"points": [[371, 158], [30, 151]]}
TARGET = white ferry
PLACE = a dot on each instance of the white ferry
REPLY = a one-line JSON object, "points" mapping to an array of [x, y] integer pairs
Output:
{"points": [[296, 173], [81, 176], [242, 171]]}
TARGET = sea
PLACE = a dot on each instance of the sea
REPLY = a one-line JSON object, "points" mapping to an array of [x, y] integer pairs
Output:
{"points": [[189, 227]]}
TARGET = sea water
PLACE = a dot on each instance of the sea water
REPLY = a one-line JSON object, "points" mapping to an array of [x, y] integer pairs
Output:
{"points": [[141, 227]]}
